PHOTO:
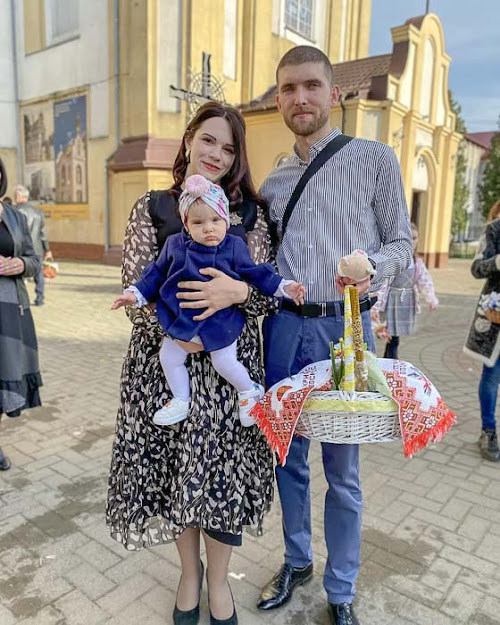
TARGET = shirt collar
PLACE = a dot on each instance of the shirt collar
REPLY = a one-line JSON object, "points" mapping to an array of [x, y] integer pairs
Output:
{"points": [[316, 148]]}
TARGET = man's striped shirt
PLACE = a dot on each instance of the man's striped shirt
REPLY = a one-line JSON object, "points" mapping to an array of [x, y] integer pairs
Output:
{"points": [[355, 201]]}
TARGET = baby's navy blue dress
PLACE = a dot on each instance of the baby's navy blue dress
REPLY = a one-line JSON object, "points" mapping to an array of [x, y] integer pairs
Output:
{"points": [[181, 259]]}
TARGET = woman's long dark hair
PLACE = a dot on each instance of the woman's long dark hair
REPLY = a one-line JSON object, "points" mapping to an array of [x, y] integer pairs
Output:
{"points": [[3, 178], [237, 183]]}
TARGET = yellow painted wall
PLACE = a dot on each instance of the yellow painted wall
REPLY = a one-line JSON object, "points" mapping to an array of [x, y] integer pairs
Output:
{"points": [[258, 53], [125, 189], [34, 25]]}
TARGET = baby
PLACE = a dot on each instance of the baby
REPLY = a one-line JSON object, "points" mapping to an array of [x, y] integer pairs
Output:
{"points": [[204, 210]]}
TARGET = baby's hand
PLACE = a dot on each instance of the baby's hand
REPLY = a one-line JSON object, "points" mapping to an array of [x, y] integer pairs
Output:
{"points": [[126, 299], [296, 290], [432, 306]]}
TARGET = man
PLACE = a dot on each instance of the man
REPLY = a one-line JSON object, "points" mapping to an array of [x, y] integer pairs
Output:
{"points": [[36, 225], [355, 200]]}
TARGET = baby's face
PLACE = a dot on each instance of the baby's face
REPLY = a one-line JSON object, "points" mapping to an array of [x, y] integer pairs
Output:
{"points": [[204, 225], [414, 238]]}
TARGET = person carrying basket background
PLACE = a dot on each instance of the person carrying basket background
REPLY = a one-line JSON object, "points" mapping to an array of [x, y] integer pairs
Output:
{"points": [[353, 197], [483, 342]]}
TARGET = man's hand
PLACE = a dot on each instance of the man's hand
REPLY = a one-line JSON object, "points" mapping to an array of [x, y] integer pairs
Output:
{"points": [[11, 266], [48, 256], [220, 292], [363, 286]]}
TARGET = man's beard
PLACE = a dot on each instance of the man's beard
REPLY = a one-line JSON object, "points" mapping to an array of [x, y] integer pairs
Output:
{"points": [[306, 128]]}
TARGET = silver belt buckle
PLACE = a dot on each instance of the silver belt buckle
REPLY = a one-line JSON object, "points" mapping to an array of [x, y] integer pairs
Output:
{"points": [[323, 309]]}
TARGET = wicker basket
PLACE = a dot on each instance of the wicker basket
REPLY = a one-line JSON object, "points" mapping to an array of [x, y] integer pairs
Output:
{"points": [[370, 418], [493, 316]]}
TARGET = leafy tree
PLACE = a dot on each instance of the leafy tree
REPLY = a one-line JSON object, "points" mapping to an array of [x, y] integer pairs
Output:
{"points": [[489, 189], [461, 191]]}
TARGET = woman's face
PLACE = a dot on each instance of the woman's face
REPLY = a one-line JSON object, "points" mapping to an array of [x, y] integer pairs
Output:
{"points": [[212, 150]]}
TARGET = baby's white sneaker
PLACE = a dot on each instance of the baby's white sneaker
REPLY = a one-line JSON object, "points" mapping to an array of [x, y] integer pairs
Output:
{"points": [[247, 400], [175, 411]]}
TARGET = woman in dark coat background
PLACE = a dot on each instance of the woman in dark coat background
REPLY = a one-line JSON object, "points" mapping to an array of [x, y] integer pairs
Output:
{"points": [[483, 342], [19, 370]]}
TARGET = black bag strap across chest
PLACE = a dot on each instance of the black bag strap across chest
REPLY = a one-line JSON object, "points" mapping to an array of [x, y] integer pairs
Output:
{"points": [[336, 144]]}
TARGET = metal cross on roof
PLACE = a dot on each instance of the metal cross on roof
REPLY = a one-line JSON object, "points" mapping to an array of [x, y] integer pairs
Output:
{"points": [[202, 87]]}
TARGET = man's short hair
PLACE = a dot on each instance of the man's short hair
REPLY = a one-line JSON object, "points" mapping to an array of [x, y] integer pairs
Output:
{"points": [[306, 54], [22, 191]]}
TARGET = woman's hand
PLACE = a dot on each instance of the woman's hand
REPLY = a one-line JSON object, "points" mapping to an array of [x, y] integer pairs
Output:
{"points": [[11, 266], [220, 292]]}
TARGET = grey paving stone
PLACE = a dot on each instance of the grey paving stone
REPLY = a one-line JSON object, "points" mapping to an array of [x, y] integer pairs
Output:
{"points": [[462, 601], [79, 610]]}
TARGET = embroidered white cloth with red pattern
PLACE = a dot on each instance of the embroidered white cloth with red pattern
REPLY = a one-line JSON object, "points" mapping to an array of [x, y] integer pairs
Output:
{"points": [[423, 415]]}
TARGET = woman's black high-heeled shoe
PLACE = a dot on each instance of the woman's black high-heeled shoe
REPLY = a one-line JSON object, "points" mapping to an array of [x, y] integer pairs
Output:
{"points": [[189, 617], [232, 620]]}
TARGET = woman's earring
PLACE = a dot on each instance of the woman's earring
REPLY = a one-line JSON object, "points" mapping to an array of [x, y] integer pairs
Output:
{"points": [[188, 153]]}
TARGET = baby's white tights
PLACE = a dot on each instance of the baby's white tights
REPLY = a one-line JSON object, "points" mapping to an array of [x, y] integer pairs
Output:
{"points": [[225, 362]]}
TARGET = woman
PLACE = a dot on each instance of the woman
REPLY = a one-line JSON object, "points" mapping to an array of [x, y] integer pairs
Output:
{"points": [[208, 476], [19, 371], [483, 342]]}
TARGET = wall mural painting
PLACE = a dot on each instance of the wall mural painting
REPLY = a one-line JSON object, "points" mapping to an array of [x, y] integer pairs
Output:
{"points": [[55, 156]]}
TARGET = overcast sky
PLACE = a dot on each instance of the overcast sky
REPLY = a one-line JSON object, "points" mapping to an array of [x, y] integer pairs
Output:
{"points": [[472, 39]]}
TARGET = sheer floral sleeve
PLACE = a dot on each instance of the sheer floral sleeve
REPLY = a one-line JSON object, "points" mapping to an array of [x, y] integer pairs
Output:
{"points": [[140, 248], [259, 244]]}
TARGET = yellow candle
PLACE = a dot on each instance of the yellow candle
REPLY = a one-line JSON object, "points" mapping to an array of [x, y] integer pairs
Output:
{"points": [[349, 382]]}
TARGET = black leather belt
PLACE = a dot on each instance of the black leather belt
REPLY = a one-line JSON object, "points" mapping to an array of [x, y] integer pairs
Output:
{"points": [[323, 309]]}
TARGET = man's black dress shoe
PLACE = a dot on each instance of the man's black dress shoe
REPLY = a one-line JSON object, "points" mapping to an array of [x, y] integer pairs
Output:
{"points": [[342, 614], [189, 617], [279, 590]]}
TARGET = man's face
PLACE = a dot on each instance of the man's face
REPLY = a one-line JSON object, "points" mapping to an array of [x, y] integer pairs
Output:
{"points": [[19, 199], [305, 97]]}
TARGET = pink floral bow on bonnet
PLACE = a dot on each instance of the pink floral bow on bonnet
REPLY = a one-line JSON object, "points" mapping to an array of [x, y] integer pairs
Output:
{"points": [[198, 187]]}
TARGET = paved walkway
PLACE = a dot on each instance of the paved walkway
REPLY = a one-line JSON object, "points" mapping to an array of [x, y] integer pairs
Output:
{"points": [[431, 542]]}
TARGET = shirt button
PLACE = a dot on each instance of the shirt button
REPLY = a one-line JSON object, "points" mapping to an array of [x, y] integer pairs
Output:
{"points": [[309, 209], [310, 247], [312, 282]]}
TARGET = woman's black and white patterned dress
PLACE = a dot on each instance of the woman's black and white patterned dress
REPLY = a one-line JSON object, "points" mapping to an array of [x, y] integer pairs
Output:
{"points": [[206, 472]]}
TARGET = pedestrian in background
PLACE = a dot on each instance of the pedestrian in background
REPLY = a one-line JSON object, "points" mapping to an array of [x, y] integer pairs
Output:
{"points": [[19, 370], [483, 342], [36, 224], [398, 301]]}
